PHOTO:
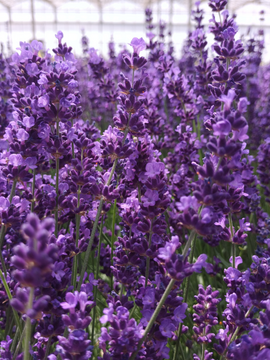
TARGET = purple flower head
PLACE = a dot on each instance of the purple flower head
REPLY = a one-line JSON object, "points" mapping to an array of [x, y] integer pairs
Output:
{"points": [[59, 36], [228, 99], [4, 349], [138, 45], [71, 301], [68, 101], [108, 314], [73, 84], [206, 216], [93, 56], [168, 250], [43, 101], [28, 121], [231, 275], [222, 127], [146, 316], [58, 271], [82, 298], [154, 168], [36, 46], [197, 33], [244, 226], [223, 334], [229, 33], [43, 79], [243, 104], [163, 350], [22, 135], [150, 197], [76, 343], [16, 160], [31, 162], [238, 261], [32, 69], [149, 296], [200, 263], [179, 313], [187, 202], [241, 134], [232, 299], [150, 35], [167, 328], [4, 204]]}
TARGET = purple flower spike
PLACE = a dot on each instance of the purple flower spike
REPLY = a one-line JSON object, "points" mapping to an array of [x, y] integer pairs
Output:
{"points": [[228, 99], [166, 252], [71, 301], [243, 104], [150, 197], [59, 36], [138, 45], [179, 313], [167, 328], [222, 127], [238, 261]]}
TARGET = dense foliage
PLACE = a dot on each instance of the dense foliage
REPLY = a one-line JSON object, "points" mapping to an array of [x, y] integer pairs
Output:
{"points": [[134, 199]]}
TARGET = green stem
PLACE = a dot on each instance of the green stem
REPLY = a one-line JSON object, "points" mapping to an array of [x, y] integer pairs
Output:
{"points": [[112, 240], [112, 172], [3, 227], [233, 245], [89, 247], [162, 300], [235, 334], [75, 261], [15, 339], [203, 346], [233, 254], [99, 248], [122, 290], [153, 318], [132, 77], [185, 296], [189, 242], [139, 192], [148, 258], [72, 145], [19, 345], [57, 178], [48, 348], [16, 317], [90, 244], [97, 273], [3, 263], [133, 310], [33, 190], [227, 64], [105, 237], [28, 327], [219, 162], [2, 235], [12, 193], [56, 189], [219, 18]]}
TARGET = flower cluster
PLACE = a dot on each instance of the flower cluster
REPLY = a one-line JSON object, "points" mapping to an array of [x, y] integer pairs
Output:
{"points": [[134, 197]]}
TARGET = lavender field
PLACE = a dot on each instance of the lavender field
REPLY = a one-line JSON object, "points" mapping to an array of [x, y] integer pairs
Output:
{"points": [[135, 197]]}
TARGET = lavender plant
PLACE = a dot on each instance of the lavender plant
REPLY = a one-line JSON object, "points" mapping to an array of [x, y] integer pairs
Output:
{"points": [[134, 199]]}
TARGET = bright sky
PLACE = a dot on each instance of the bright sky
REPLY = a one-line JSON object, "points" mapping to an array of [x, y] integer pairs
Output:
{"points": [[121, 20]]}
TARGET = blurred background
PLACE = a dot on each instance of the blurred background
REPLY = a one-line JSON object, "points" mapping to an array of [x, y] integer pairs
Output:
{"points": [[117, 20]]}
